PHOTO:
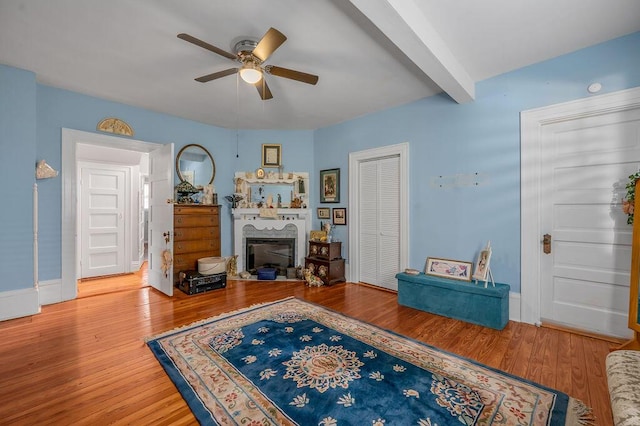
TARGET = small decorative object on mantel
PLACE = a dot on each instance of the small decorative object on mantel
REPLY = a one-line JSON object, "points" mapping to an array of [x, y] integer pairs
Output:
{"points": [[234, 199], [629, 199], [45, 171], [411, 271], [115, 125]]}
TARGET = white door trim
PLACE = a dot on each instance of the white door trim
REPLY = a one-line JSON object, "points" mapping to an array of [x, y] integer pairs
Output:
{"points": [[355, 158], [70, 139], [531, 130]]}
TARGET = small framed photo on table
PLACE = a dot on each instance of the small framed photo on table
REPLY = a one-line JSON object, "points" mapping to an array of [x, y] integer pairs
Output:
{"points": [[271, 155], [340, 216]]}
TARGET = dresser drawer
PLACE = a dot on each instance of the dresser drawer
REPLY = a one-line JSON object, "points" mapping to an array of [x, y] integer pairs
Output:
{"points": [[195, 245], [186, 220], [205, 210], [196, 233]]}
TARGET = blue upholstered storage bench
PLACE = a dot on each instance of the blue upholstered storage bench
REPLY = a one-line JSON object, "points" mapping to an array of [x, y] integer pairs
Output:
{"points": [[461, 300]]}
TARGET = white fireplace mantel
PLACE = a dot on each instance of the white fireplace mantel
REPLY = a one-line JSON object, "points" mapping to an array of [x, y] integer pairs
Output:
{"points": [[300, 218]]}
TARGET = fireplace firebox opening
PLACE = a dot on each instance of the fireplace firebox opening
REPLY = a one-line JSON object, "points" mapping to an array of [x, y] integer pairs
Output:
{"points": [[276, 253]]}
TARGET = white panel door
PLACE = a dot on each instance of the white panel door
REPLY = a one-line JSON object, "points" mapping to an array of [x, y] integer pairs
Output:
{"points": [[161, 219], [379, 222], [102, 224], [585, 278]]}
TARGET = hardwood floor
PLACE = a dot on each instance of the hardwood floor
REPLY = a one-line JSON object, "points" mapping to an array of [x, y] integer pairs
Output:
{"points": [[85, 361]]}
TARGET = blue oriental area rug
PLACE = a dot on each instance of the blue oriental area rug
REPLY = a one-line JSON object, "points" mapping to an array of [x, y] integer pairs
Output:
{"points": [[294, 363]]}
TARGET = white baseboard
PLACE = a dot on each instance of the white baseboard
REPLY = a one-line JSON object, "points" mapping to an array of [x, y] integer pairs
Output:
{"points": [[514, 307], [19, 303], [50, 292]]}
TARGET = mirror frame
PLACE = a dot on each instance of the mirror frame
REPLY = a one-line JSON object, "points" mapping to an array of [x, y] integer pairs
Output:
{"points": [[213, 163]]}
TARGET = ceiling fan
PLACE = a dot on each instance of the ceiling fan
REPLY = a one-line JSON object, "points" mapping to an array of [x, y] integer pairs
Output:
{"points": [[251, 55]]}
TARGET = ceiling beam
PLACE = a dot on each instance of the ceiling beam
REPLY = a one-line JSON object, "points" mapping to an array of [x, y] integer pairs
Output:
{"points": [[404, 23]]}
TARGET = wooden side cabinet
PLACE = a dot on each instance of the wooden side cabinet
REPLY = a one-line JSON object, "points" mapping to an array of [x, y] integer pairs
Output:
{"points": [[328, 251], [325, 261], [196, 234]]}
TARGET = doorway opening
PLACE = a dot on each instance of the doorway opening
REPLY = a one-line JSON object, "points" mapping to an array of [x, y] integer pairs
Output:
{"points": [[67, 287]]}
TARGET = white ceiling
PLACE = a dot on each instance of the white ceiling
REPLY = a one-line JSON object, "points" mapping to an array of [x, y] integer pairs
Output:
{"points": [[369, 54]]}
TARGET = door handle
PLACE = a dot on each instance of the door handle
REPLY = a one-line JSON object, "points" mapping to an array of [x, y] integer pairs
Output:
{"points": [[167, 237], [546, 243]]}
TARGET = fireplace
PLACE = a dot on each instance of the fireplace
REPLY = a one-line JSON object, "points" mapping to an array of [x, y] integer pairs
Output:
{"points": [[289, 227], [278, 253]]}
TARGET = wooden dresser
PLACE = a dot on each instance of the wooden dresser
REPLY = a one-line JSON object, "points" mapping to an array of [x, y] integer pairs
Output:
{"points": [[196, 234]]}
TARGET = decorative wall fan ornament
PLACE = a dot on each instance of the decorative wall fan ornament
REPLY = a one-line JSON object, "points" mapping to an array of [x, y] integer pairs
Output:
{"points": [[252, 55]]}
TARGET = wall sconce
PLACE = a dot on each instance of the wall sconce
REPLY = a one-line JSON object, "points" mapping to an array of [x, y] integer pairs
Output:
{"points": [[45, 171]]}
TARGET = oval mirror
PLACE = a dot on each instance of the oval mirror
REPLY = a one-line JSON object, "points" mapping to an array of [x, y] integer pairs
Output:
{"points": [[195, 165]]}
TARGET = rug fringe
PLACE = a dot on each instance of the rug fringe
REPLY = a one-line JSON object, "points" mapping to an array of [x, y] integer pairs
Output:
{"points": [[579, 414], [216, 317]]}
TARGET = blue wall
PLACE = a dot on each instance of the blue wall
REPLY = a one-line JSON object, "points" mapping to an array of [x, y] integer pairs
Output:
{"points": [[482, 136], [60, 108], [445, 139], [17, 174]]}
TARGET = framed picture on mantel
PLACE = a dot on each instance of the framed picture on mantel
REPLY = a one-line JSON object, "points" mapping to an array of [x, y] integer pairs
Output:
{"points": [[330, 186]]}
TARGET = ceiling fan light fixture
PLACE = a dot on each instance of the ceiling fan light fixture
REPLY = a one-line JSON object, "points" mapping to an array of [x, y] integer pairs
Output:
{"points": [[250, 74]]}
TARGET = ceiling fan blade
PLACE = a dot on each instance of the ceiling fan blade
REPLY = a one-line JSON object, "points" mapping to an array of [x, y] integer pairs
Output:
{"points": [[268, 44], [263, 90], [292, 74], [215, 75], [205, 45]]}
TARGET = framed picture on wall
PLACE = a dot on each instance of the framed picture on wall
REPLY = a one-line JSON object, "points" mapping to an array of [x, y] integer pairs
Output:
{"points": [[340, 216], [271, 155], [330, 186], [324, 213]]}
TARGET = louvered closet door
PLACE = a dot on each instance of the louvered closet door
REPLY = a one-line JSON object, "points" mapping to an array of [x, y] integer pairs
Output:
{"points": [[379, 221]]}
